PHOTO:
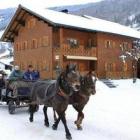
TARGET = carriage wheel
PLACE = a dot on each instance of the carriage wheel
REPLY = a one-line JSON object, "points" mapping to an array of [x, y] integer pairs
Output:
{"points": [[11, 107]]}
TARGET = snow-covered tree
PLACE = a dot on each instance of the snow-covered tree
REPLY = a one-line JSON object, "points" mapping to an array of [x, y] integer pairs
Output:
{"points": [[131, 54]]}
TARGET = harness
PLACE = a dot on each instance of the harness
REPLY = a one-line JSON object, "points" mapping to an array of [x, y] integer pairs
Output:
{"points": [[61, 93]]}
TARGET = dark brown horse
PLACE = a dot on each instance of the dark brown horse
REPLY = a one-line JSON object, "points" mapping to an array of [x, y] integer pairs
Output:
{"points": [[81, 98], [56, 95]]}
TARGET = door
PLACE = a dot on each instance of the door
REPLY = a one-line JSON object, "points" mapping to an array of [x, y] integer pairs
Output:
{"points": [[138, 69], [92, 65]]}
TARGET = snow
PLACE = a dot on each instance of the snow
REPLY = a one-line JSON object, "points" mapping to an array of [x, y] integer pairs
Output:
{"points": [[1, 33], [86, 22], [7, 60], [6, 52], [111, 114]]}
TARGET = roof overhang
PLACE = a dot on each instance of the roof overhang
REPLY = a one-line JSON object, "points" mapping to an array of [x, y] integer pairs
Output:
{"points": [[72, 57]]}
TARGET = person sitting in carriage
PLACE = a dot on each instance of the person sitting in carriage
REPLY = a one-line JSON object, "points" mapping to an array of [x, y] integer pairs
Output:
{"points": [[2, 84], [31, 74], [15, 80], [19, 80]]}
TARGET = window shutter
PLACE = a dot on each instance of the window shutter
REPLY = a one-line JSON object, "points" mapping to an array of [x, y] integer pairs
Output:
{"points": [[45, 42], [114, 66], [105, 66]]}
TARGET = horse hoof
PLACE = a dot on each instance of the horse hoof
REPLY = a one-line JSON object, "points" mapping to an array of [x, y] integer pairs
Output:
{"points": [[47, 124], [75, 122], [68, 137], [79, 128], [30, 119], [54, 127]]}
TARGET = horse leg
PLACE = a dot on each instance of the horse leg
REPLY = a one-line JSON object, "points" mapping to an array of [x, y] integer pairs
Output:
{"points": [[55, 125], [46, 116], [54, 115], [63, 119], [79, 120], [80, 117], [32, 109]]}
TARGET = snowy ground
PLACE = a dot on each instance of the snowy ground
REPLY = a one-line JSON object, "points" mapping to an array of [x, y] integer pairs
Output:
{"points": [[111, 114]]}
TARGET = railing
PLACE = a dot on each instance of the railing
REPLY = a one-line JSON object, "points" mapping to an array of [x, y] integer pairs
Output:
{"points": [[80, 50]]}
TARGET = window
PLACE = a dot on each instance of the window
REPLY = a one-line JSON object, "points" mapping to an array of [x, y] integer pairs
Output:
{"points": [[34, 44], [73, 42], [91, 43], [45, 42], [109, 67], [108, 44], [31, 23], [24, 45], [19, 47], [125, 45]]}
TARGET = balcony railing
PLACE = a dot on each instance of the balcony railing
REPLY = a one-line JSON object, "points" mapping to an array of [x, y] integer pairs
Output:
{"points": [[80, 50]]}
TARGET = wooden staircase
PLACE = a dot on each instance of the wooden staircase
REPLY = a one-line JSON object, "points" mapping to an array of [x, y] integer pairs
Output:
{"points": [[109, 83]]}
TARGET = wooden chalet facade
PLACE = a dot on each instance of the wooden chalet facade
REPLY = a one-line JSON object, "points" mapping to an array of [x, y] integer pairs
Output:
{"points": [[45, 45]]}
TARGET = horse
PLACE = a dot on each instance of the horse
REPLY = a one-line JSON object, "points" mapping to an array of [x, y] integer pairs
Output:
{"points": [[56, 95], [81, 98]]}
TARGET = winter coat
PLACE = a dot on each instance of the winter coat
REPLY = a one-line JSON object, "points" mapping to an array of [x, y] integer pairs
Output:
{"points": [[34, 75], [2, 83], [16, 75]]}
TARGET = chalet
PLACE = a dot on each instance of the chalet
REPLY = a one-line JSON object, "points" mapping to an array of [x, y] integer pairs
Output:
{"points": [[48, 40]]}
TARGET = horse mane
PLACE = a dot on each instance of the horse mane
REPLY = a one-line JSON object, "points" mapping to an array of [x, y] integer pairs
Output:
{"points": [[58, 81]]}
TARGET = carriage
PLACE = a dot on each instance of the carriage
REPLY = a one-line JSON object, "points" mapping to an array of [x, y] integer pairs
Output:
{"points": [[23, 95], [22, 98]]}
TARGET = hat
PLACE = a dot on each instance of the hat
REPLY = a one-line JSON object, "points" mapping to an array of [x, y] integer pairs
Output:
{"points": [[16, 67]]}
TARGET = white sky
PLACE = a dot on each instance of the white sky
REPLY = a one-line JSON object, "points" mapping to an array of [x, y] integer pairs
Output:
{"points": [[41, 3]]}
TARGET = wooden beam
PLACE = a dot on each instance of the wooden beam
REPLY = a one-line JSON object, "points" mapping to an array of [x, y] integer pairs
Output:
{"points": [[21, 22], [14, 32], [11, 39]]}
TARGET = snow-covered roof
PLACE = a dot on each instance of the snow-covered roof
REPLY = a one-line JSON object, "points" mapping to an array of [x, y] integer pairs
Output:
{"points": [[1, 33], [78, 22], [86, 22]]}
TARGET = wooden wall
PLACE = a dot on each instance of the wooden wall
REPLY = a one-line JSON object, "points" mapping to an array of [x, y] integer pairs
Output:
{"points": [[33, 45], [82, 49], [110, 56], [45, 47]]}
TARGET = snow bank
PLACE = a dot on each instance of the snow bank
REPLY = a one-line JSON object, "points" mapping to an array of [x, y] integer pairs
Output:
{"points": [[111, 114]]}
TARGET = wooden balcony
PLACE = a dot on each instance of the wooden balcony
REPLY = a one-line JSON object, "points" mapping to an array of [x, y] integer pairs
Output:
{"points": [[78, 51]]}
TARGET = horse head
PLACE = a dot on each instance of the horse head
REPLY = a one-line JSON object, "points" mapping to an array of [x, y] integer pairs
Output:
{"points": [[69, 80], [88, 82]]}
